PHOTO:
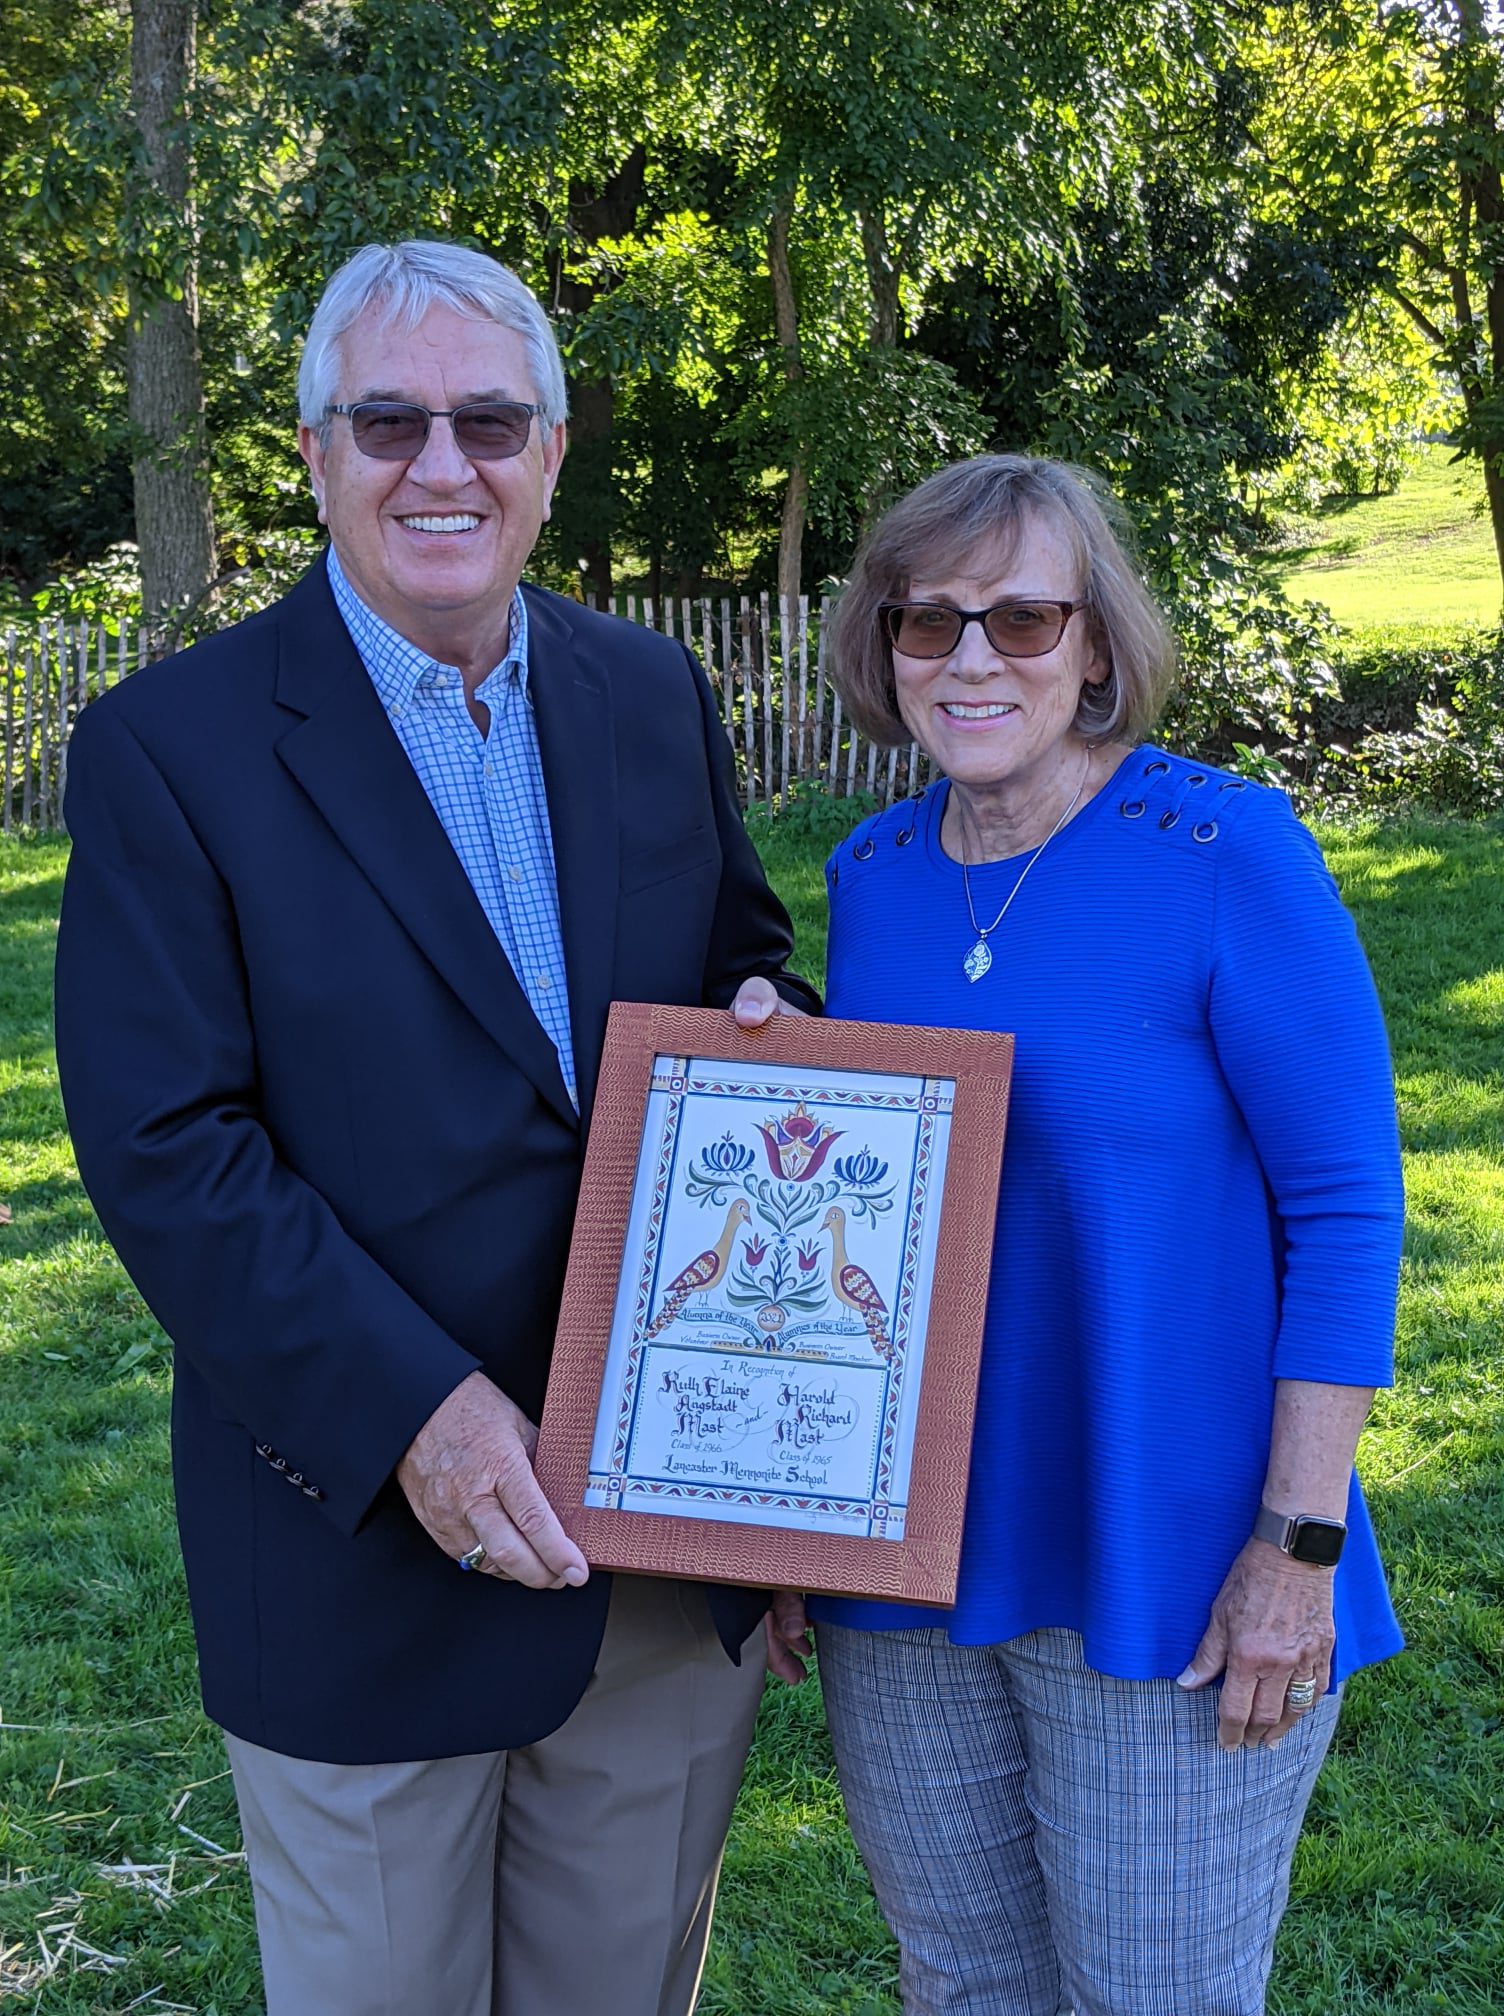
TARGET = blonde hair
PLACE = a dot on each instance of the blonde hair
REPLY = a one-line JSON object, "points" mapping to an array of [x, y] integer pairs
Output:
{"points": [[985, 507]]}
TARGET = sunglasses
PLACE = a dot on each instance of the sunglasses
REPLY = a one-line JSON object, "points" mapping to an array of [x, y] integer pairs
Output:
{"points": [[391, 430], [1023, 627]]}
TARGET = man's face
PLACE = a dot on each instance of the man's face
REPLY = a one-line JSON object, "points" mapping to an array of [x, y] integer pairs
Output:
{"points": [[436, 545]]}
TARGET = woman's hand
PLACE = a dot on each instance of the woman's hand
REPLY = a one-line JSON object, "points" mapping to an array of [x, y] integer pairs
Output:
{"points": [[1271, 1624], [787, 1629]]}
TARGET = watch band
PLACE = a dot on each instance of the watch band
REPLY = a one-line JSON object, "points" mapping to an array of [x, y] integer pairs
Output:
{"points": [[1302, 1536]]}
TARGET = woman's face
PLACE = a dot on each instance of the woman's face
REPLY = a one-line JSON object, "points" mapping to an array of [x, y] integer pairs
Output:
{"points": [[987, 719]]}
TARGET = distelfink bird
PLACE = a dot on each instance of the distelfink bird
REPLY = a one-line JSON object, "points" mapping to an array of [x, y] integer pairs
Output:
{"points": [[854, 1285], [702, 1274]]}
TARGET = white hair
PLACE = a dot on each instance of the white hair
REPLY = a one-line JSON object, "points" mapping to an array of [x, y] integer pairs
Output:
{"points": [[401, 283]]}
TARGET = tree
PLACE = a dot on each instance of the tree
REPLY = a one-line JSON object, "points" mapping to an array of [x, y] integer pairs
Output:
{"points": [[65, 480], [1386, 126], [164, 370]]}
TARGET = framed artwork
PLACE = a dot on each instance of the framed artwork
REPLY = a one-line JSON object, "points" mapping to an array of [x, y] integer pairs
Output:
{"points": [[766, 1363]]}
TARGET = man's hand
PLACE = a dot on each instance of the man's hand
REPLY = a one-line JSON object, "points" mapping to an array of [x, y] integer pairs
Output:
{"points": [[758, 1001], [468, 1476], [1271, 1624], [787, 1630]]}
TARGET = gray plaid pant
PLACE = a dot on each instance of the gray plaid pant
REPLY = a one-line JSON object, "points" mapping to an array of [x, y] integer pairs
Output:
{"points": [[1044, 1838]]}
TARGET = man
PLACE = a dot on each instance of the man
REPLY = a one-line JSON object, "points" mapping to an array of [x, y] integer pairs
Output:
{"points": [[352, 885]]}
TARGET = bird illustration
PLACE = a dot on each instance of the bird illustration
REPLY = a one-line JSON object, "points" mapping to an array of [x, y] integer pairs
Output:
{"points": [[854, 1285], [702, 1274]]}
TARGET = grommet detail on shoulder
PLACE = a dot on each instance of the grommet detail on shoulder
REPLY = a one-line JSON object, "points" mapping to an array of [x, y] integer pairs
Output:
{"points": [[1155, 769], [1132, 808], [863, 850], [1236, 784], [835, 874], [1207, 830], [313, 1491], [1170, 818], [1195, 778], [904, 837]]}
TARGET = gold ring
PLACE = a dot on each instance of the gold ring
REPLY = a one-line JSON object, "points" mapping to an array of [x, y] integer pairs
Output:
{"points": [[1301, 1695]]}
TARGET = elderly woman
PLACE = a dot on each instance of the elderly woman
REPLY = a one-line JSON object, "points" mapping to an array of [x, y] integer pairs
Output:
{"points": [[1081, 1787]]}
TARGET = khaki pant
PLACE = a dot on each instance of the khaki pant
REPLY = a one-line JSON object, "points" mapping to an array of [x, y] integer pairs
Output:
{"points": [[574, 1875]]}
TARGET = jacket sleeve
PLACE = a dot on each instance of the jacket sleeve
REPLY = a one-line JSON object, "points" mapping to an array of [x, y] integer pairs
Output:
{"points": [[751, 936], [1300, 1036], [295, 1329]]}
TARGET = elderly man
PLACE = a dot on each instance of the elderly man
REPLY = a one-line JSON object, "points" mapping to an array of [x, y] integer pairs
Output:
{"points": [[352, 885]]}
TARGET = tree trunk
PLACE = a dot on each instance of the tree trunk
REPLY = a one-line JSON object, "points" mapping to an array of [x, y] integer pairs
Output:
{"points": [[786, 321], [1493, 484], [586, 508], [1482, 191], [1488, 197], [164, 371], [882, 279]]}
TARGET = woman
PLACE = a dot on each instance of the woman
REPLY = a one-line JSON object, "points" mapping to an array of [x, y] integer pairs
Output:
{"points": [[1081, 1788]]}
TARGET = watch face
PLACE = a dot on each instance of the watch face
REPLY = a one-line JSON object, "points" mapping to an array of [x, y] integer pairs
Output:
{"points": [[1316, 1541]]}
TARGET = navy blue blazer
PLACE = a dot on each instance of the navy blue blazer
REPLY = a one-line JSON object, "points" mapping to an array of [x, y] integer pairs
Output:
{"points": [[330, 1140]]}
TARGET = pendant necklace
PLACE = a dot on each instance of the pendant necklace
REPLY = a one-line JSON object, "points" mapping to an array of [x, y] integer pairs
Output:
{"points": [[979, 959]]}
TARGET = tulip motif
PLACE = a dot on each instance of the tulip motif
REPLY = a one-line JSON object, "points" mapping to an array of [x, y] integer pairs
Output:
{"points": [[797, 1144]]}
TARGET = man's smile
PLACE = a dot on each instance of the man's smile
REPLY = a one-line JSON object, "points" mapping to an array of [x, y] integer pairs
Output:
{"points": [[427, 521]]}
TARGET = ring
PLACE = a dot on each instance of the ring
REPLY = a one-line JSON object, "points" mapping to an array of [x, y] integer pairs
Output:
{"points": [[474, 1559], [1301, 1695]]}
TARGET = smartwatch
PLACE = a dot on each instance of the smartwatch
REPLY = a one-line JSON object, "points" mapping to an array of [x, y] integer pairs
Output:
{"points": [[1303, 1538]]}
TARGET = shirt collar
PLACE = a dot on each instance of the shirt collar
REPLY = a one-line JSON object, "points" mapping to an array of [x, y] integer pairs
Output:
{"points": [[397, 667]]}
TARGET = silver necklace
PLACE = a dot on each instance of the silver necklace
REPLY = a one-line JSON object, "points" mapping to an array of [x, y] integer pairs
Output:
{"points": [[979, 959]]}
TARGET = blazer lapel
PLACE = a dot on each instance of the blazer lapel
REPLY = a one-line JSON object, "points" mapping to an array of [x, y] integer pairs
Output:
{"points": [[571, 695], [343, 753]]}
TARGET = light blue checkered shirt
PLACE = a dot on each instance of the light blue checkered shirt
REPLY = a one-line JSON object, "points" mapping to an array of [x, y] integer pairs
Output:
{"points": [[488, 792]]}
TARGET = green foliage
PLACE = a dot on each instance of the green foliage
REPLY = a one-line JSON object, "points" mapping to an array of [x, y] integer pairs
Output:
{"points": [[1448, 759], [810, 815], [1359, 410], [1247, 662], [1092, 231], [1386, 127]]}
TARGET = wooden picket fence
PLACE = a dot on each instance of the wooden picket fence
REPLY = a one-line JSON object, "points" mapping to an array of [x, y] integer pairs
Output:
{"points": [[767, 664]]}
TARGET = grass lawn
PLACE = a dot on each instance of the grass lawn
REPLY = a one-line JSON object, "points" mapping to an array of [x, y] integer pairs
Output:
{"points": [[1418, 563], [119, 1881]]}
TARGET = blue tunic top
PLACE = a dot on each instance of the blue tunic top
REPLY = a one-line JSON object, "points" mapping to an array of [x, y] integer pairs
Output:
{"points": [[1200, 1195]]}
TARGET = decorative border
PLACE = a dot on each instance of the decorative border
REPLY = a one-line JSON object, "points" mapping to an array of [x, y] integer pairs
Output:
{"points": [[919, 1568]]}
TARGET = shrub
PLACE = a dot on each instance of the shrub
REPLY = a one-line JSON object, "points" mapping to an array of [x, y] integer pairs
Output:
{"points": [[1447, 756]]}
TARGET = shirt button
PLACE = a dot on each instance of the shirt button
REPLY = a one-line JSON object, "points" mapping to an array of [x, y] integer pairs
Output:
{"points": [[490, 768], [514, 872], [544, 983]]}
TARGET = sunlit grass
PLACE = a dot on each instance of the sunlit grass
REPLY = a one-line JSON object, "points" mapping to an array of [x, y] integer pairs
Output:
{"points": [[1398, 1903], [1421, 562]]}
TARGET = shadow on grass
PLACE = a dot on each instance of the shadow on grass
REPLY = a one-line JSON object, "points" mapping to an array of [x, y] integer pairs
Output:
{"points": [[1428, 900]]}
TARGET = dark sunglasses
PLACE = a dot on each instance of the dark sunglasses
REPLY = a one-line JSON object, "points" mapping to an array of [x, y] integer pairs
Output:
{"points": [[1025, 626], [487, 430]]}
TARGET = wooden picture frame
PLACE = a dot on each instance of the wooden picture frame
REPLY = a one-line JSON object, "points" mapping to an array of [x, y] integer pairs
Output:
{"points": [[766, 1363]]}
